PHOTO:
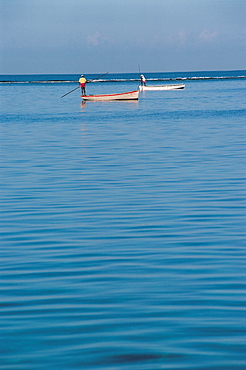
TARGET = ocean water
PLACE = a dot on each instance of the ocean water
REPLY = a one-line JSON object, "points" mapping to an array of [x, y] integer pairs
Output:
{"points": [[123, 224]]}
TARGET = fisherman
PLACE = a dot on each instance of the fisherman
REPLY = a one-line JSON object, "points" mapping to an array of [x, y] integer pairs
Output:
{"points": [[143, 80], [82, 82]]}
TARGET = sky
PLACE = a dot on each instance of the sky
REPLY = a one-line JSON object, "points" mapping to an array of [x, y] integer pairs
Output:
{"points": [[118, 36]]}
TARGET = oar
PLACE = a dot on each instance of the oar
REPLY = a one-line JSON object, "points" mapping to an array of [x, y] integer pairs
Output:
{"points": [[87, 82]]}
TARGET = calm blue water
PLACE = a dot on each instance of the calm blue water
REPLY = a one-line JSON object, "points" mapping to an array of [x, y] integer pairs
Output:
{"points": [[123, 225]]}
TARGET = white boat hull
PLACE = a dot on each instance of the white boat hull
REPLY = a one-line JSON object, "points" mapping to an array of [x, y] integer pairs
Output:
{"points": [[132, 95], [161, 87]]}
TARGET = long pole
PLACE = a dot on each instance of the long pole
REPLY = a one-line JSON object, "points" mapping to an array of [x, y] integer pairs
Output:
{"points": [[139, 73], [97, 77], [87, 82], [70, 92]]}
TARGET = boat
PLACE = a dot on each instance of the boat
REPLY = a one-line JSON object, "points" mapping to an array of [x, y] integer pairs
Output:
{"points": [[161, 87], [131, 95]]}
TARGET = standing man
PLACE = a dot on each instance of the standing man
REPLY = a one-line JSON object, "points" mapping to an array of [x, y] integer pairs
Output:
{"points": [[82, 82], [143, 80]]}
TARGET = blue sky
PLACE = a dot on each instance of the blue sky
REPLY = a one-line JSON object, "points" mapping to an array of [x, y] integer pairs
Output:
{"points": [[93, 36]]}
